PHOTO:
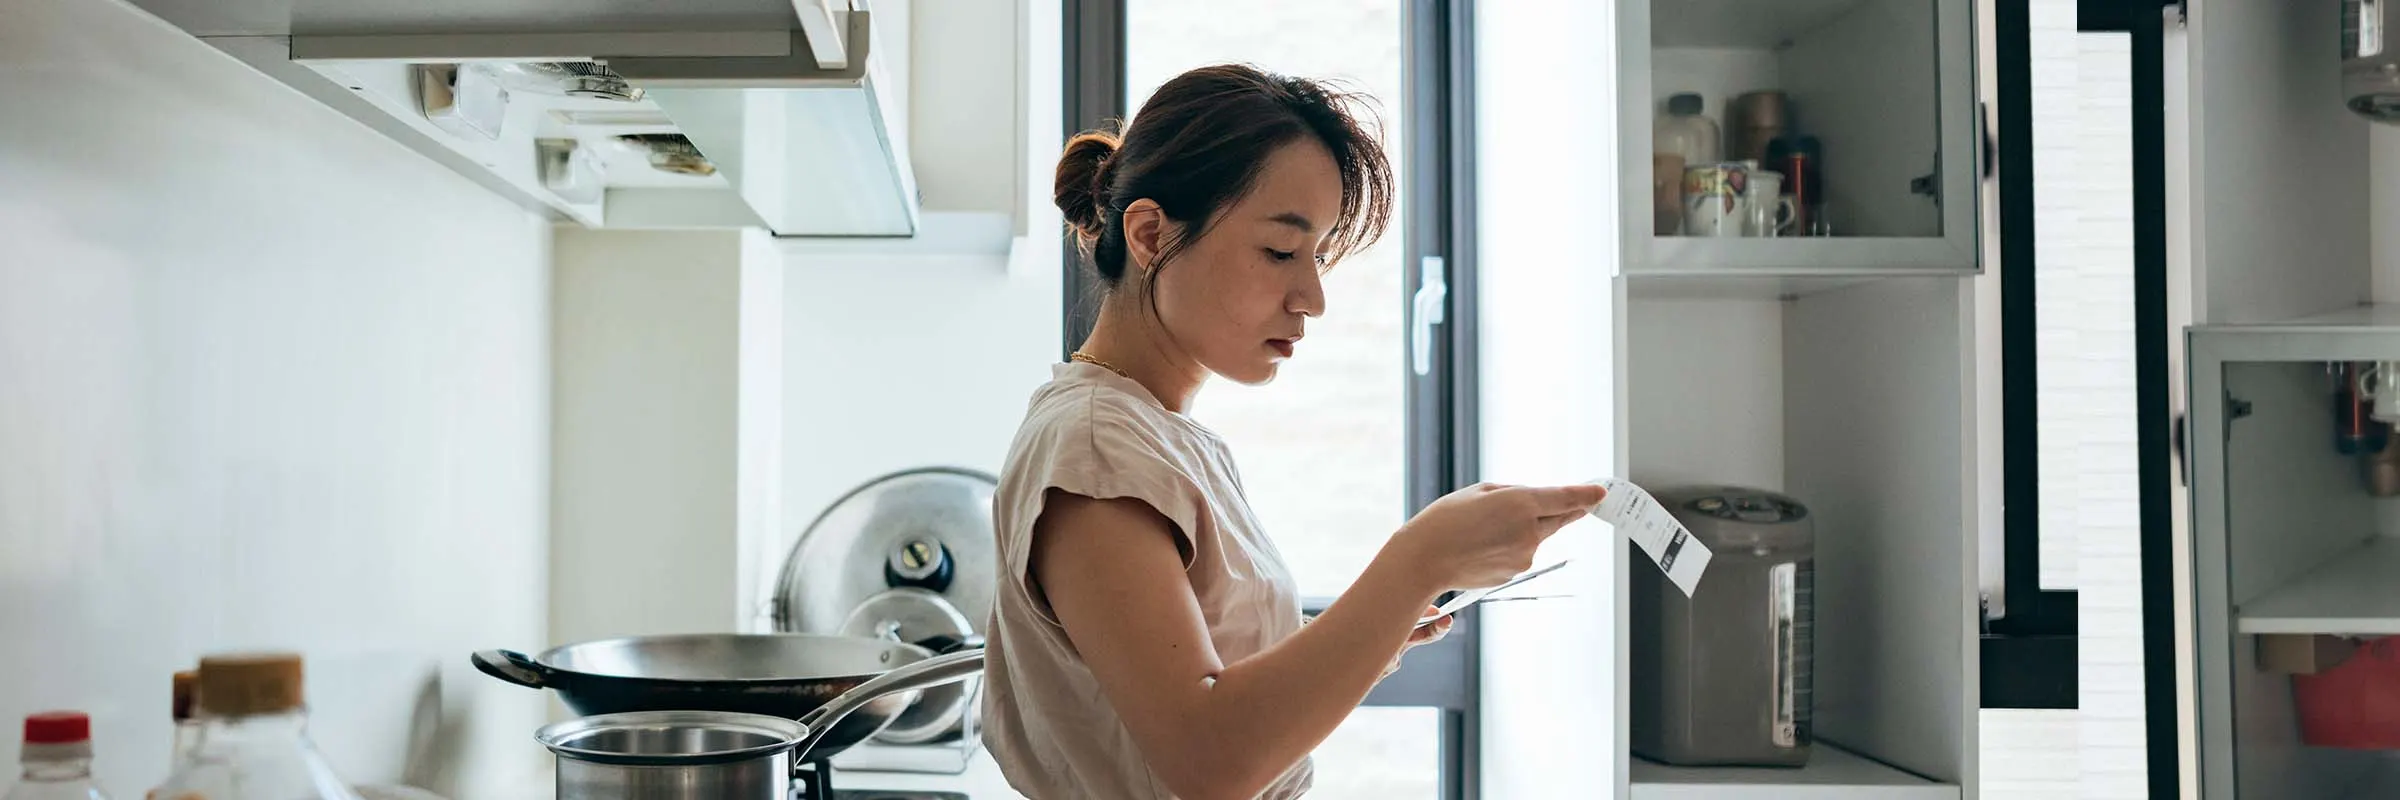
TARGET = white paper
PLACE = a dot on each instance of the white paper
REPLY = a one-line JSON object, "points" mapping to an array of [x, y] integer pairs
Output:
{"points": [[1639, 516]]}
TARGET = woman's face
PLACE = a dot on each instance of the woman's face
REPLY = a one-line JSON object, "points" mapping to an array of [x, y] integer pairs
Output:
{"points": [[1237, 300]]}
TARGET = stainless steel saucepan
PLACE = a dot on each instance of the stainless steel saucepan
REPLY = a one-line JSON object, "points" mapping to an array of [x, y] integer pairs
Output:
{"points": [[787, 675], [717, 755]]}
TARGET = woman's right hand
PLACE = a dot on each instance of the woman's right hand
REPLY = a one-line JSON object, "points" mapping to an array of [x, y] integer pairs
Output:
{"points": [[1484, 534]]}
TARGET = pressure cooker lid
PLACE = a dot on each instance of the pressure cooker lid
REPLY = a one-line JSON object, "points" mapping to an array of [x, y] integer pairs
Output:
{"points": [[1739, 516], [928, 528]]}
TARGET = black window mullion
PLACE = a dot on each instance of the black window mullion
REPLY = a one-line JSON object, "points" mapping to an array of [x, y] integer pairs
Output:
{"points": [[1093, 65]]}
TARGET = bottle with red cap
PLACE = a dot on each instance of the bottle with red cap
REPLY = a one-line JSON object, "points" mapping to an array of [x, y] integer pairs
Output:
{"points": [[58, 759]]}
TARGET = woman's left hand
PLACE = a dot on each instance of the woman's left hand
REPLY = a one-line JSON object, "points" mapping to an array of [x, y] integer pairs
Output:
{"points": [[1422, 635]]}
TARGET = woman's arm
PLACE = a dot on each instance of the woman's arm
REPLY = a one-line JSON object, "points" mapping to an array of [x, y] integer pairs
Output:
{"points": [[1113, 576]]}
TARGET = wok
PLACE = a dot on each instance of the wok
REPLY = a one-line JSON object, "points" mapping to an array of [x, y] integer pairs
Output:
{"points": [[784, 675]]}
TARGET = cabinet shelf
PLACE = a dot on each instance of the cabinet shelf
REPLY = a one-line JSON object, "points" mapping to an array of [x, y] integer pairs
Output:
{"points": [[2353, 593], [1875, 256], [2367, 319], [1831, 773]]}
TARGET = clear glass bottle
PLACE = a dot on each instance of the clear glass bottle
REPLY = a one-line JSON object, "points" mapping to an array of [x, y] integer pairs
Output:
{"points": [[253, 742], [1686, 131], [58, 759], [186, 711]]}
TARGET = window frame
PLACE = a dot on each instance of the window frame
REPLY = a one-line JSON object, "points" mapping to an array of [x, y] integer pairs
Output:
{"points": [[1436, 173], [2029, 654]]}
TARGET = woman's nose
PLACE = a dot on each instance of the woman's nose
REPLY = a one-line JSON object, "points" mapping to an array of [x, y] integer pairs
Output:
{"points": [[1308, 298]]}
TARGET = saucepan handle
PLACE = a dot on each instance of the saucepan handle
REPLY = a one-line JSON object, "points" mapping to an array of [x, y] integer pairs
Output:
{"points": [[945, 644], [512, 666], [924, 674]]}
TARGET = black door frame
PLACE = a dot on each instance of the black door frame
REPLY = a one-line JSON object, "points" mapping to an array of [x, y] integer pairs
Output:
{"points": [[1437, 173]]}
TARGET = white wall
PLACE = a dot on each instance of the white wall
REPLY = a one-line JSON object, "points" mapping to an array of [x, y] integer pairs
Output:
{"points": [[664, 429], [266, 381], [894, 361]]}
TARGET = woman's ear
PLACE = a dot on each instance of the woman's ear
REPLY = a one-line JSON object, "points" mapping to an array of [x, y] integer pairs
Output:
{"points": [[1145, 227]]}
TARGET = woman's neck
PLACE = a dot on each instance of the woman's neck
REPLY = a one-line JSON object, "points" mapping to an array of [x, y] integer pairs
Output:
{"points": [[1136, 343]]}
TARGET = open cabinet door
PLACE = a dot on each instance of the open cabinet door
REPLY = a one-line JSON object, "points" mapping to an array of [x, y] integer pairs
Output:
{"points": [[2267, 224]]}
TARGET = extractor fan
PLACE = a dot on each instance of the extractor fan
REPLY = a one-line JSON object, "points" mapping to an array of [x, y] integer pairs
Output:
{"points": [[669, 152], [570, 78], [470, 100]]}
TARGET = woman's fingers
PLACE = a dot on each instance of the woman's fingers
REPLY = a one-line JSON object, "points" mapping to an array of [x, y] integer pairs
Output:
{"points": [[1556, 500]]}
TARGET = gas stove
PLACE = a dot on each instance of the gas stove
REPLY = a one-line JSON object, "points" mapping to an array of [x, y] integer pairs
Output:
{"points": [[815, 782]]}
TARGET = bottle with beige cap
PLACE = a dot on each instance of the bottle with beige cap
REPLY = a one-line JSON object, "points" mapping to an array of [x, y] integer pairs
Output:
{"points": [[253, 742]]}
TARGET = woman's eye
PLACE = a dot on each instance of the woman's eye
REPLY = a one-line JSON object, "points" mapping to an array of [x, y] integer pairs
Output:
{"points": [[1282, 255]]}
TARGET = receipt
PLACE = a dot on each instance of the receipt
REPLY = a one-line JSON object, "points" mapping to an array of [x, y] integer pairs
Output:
{"points": [[1636, 514]]}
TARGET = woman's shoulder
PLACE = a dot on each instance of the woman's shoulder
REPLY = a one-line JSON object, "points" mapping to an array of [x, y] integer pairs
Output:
{"points": [[1077, 416]]}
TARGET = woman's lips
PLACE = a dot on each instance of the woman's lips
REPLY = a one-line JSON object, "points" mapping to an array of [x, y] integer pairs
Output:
{"points": [[1283, 346]]}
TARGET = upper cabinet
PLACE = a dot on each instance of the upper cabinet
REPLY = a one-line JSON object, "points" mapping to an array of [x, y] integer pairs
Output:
{"points": [[1798, 138], [788, 115]]}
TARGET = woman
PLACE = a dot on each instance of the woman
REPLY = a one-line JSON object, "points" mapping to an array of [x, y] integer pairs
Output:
{"points": [[1147, 641]]}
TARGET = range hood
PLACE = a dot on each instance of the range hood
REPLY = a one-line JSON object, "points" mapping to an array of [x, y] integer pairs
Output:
{"points": [[790, 127]]}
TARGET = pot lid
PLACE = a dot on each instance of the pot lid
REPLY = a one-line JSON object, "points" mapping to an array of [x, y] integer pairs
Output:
{"points": [[920, 617], [928, 528]]}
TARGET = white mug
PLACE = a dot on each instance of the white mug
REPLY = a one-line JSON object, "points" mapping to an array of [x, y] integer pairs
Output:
{"points": [[2380, 382], [1713, 201], [1770, 212]]}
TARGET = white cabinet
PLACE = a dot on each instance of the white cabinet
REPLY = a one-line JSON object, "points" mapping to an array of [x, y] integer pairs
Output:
{"points": [[2289, 276], [1837, 369], [1858, 401], [1885, 91]]}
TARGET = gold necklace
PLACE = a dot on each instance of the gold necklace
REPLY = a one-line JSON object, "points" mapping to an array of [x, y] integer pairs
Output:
{"points": [[1095, 361]]}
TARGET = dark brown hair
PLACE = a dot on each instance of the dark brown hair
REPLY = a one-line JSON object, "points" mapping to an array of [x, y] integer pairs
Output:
{"points": [[1198, 145]]}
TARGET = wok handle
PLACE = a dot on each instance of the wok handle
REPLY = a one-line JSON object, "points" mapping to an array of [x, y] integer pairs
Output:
{"points": [[924, 674], [512, 666]]}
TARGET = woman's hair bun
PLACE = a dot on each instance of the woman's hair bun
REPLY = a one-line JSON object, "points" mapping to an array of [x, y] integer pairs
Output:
{"points": [[1082, 178]]}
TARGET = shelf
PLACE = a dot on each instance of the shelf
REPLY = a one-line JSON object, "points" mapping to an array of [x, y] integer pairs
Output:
{"points": [[2375, 318], [1832, 773], [1802, 257], [2353, 593], [1740, 23]]}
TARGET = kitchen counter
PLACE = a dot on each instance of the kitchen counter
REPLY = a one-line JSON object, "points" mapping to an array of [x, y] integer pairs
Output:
{"points": [[981, 780]]}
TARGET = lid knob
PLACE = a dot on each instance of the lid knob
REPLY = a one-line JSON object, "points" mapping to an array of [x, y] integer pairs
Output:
{"points": [[922, 563]]}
